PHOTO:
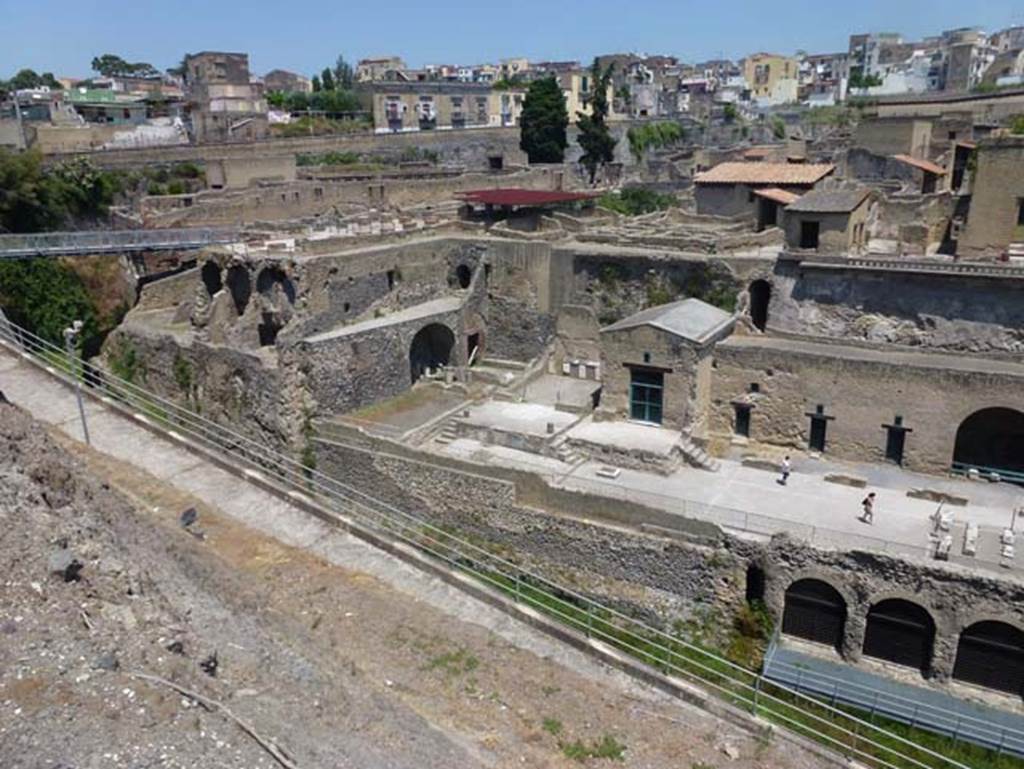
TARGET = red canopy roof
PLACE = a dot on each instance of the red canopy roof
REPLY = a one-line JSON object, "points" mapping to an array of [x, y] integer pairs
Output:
{"points": [[514, 196]]}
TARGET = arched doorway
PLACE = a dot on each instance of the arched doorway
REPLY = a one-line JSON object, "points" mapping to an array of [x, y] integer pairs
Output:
{"points": [[814, 611], [992, 438], [211, 278], [463, 275], [760, 296], [431, 348], [900, 631], [991, 654]]}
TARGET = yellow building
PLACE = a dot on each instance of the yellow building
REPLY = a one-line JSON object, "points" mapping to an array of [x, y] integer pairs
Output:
{"points": [[772, 79], [577, 87]]}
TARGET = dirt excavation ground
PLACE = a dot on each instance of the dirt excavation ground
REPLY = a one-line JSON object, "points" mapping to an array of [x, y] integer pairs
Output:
{"points": [[101, 583]]}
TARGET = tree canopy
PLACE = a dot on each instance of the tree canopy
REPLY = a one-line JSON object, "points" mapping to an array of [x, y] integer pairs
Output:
{"points": [[344, 75], [34, 199], [111, 65], [595, 139], [28, 78], [544, 122]]}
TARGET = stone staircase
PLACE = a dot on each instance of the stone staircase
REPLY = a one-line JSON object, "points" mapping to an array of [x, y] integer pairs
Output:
{"points": [[697, 457], [566, 453], [449, 432]]}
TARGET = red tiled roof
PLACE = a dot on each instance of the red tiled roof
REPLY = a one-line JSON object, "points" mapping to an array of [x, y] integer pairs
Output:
{"points": [[924, 165], [514, 196], [765, 173], [779, 196]]}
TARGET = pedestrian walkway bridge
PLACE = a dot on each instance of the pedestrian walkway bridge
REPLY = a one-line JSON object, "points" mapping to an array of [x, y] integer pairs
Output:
{"points": [[111, 241]]}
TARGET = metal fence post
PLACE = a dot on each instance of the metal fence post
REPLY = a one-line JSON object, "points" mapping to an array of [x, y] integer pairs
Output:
{"points": [[70, 342]]}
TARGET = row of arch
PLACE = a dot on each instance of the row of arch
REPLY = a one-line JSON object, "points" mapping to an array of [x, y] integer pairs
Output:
{"points": [[989, 653]]}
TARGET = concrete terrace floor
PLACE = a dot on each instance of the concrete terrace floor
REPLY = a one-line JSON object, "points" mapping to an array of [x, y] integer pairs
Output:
{"points": [[746, 499]]}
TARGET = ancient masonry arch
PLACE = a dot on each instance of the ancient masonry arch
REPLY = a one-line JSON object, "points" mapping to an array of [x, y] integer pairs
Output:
{"points": [[433, 346]]}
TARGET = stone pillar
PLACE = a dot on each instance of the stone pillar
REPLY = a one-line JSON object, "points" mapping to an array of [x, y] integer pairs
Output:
{"points": [[944, 654], [853, 634]]}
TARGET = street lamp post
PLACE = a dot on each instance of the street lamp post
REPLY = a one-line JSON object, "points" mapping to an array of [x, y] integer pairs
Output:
{"points": [[70, 343]]}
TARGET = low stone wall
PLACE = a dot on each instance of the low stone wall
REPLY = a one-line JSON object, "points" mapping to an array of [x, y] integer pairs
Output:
{"points": [[699, 576]]}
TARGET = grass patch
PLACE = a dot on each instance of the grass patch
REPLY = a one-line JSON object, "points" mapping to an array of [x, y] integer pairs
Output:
{"points": [[552, 726], [607, 747], [634, 201], [454, 663]]}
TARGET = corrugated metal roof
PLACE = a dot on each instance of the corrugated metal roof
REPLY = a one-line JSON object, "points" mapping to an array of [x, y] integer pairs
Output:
{"points": [[778, 195], [830, 201], [691, 319], [514, 196], [924, 165], [765, 173]]}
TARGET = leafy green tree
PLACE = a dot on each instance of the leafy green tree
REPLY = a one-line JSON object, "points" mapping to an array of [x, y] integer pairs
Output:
{"points": [[1017, 125], [778, 127], [315, 80], [327, 79], [653, 136], [33, 199], [28, 78], [44, 296], [595, 139], [543, 122], [344, 75], [111, 65]]}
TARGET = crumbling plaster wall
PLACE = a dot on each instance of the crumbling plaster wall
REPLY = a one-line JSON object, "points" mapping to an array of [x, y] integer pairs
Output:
{"points": [[862, 393], [952, 312]]}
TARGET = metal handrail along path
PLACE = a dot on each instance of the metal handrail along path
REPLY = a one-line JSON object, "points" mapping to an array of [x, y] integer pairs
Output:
{"points": [[834, 727]]}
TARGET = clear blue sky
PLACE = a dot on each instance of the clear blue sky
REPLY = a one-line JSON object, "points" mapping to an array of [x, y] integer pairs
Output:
{"points": [[62, 36]]}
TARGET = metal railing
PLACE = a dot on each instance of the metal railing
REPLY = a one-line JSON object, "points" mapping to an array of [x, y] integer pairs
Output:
{"points": [[958, 726], [988, 473], [845, 732], [111, 241]]}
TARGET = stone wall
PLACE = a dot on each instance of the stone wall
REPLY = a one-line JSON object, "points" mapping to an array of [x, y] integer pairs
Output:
{"points": [[470, 148], [316, 197], [997, 197], [862, 389], [647, 347], [696, 576], [940, 311]]}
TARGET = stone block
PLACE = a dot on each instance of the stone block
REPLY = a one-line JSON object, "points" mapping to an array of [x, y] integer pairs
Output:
{"points": [[846, 480], [938, 496]]}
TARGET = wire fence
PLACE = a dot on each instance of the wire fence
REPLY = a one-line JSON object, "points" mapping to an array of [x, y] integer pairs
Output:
{"points": [[17, 246], [846, 731]]}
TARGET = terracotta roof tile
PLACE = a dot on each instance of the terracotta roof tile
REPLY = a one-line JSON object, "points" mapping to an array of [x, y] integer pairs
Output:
{"points": [[924, 165], [779, 196], [765, 173]]}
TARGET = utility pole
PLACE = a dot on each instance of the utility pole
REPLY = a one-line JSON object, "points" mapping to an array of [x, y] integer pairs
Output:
{"points": [[74, 360]]}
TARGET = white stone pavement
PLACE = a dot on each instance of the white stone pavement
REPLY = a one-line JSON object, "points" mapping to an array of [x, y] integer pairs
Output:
{"points": [[827, 514]]}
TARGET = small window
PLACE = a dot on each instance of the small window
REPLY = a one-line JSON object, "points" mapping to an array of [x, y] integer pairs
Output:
{"points": [[755, 387], [647, 357], [952, 136], [1020, 212], [391, 279]]}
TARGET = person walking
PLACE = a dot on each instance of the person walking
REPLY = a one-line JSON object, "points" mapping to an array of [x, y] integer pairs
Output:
{"points": [[786, 469], [869, 508]]}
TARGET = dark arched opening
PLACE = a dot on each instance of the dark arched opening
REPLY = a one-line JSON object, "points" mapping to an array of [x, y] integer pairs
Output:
{"points": [[760, 296], [240, 287], [815, 611], [211, 278], [273, 276], [755, 583], [463, 275], [902, 632], [991, 654], [993, 439], [431, 348]]}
